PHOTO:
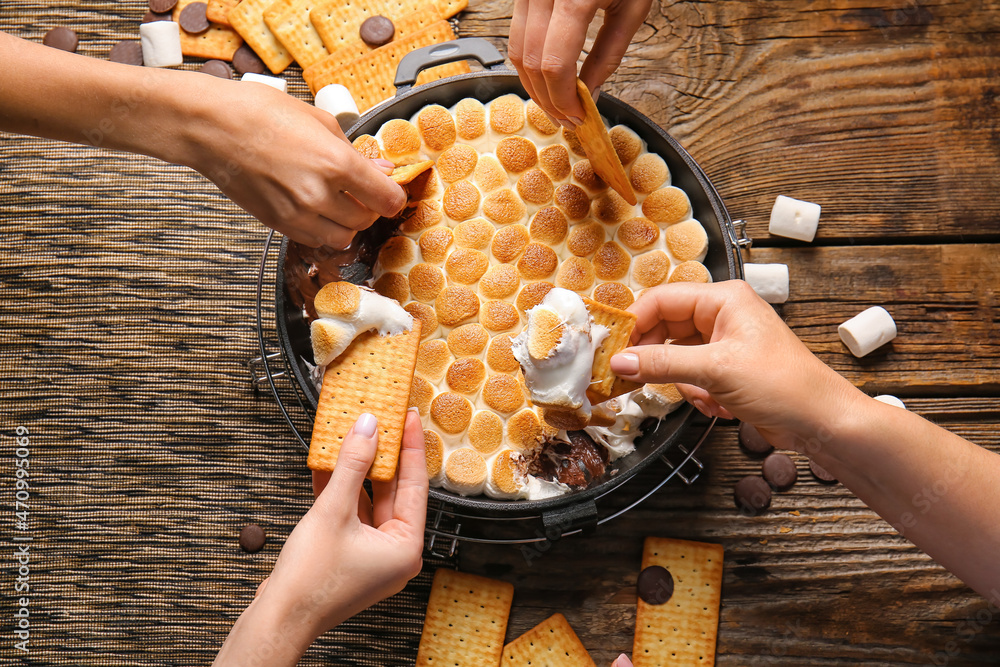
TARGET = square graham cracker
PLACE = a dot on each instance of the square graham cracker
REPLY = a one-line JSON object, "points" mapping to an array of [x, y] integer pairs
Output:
{"points": [[370, 77], [373, 375], [338, 22], [218, 10], [551, 643], [247, 18], [683, 630], [219, 42], [620, 323], [466, 621], [289, 21]]}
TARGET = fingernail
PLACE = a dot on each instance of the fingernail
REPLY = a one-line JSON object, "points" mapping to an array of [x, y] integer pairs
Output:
{"points": [[414, 410], [366, 425], [566, 124], [625, 364], [622, 661], [700, 406], [382, 162], [596, 94], [576, 121]]}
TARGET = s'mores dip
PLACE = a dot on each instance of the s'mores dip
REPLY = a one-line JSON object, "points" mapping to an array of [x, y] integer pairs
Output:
{"points": [[507, 240]]}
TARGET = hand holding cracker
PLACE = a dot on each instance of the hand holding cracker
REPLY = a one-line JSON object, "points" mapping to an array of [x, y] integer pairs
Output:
{"points": [[347, 552]]}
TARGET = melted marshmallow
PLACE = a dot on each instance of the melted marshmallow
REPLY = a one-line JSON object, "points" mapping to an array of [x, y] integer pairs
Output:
{"points": [[374, 311]]}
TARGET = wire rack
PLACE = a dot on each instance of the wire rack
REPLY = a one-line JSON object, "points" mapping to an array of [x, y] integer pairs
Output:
{"points": [[447, 526]]}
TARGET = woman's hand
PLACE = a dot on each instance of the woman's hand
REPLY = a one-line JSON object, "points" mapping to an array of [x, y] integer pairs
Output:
{"points": [[346, 554], [288, 164], [732, 356], [547, 36]]}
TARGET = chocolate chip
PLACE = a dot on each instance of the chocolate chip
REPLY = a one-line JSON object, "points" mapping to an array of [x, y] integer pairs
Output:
{"points": [[61, 38], [161, 6], [752, 441], [217, 68], [377, 31], [127, 52], [779, 471], [245, 60], [150, 17], [821, 474], [752, 495], [252, 538], [193, 18], [655, 584]]}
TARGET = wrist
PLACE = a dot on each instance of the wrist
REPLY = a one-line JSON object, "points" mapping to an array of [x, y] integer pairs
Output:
{"points": [[269, 632]]}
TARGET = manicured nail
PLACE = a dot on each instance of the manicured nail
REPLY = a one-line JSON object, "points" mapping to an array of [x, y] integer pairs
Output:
{"points": [[383, 163], [576, 121], [596, 94], [701, 407], [366, 425], [414, 410], [625, 364], [566, 124], [622, 661]]}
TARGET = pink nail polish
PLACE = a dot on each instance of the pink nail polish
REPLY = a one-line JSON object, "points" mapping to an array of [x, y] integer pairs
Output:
{"points": [[366, 425], [383, 163], [625, 363]]}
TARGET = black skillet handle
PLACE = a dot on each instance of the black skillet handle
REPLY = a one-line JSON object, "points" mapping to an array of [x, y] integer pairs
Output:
{"points": [[441, 54], [580, 516]]}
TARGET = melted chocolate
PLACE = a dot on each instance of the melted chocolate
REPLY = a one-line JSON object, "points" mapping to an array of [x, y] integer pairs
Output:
{"points": [[576, 463]]}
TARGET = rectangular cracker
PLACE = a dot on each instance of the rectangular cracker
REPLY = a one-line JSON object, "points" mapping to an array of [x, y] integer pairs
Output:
{"points": [[405, 173], [620, 323], [247, 18], [217, 43], [370, 77], [338, 21], [683, 630], [289, 21], [218, 10], [373, 375], [551, 643], [466, 621], [593, 135]]}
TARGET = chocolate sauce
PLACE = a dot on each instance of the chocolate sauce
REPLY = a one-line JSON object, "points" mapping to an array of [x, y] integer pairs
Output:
{"points": [[576, 463]]}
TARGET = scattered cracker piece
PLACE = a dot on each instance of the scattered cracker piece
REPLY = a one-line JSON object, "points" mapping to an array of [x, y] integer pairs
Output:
{"points": [[370, 77], [620, 323], [551, 643], [593, 135], [218, 10], [407, 172], [247, 18], [339, 23], [683, 630], [289, 21], [217, 43], [466, 621], [373, 375]]}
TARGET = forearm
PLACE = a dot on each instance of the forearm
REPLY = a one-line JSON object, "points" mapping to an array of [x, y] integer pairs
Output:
{"points": [[267, 634], [50, 93], [935, 488]]}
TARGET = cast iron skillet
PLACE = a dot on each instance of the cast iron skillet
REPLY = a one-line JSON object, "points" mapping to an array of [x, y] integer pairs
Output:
{"points": [[723, 260]]}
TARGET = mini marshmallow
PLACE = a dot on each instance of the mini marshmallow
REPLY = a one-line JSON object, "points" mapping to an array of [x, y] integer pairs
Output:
{"points": [[273, 81], [867, 331], [161, 44], [794, 219], [338, 102], [770, 281], [890, 400]]}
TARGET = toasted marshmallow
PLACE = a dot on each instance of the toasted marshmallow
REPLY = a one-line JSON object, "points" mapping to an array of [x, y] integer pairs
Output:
{"points": [[476, 234], [468, 340], [434, 454], [573, 201], [690, 272], [347, 310], [666, 206], [556, 351], [638, 234], [548, 226], [611, 262], [554, 161], [535, 187], [509, 242], [457, 162], [434, 244], [436, 127], [466, 375], [465, 472], [500, 355], [508, 477], [499, 282], [486, 432], [539, 120], [470, 117], [687, 241], [433, 359], [648, 173], [524, 432], [489, 174], [504, 207], [517, 154], [614, 294], [507, 114], [503, 393], [426, 282], [627, 143]]}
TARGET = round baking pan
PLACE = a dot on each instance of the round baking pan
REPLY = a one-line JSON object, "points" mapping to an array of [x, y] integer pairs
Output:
{"points": [[723, 258]]}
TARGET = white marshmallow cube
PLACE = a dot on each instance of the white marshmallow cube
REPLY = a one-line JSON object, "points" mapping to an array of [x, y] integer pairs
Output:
{"points": [[273, 81], [161, 44], [888, 399], [867, 331], [338, 102], [794, 219], [770, 281]]}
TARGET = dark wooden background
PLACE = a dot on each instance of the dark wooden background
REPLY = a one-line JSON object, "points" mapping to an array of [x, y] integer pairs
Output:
{"points": [[888, 115]]}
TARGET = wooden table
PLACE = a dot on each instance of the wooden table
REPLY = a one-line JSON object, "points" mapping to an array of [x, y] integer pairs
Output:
{"points": [[889, 118]]}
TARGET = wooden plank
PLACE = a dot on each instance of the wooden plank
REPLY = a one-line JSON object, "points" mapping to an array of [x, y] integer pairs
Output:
{"points": [[889, 118], [833, 583], [944, 299]]}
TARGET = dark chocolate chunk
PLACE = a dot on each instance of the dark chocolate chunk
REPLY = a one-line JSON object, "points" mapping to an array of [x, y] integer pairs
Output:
{"points": [[193, 18], [252, 538], [150, 17], [821, 474], [752, 495], [779, 471], [127, 52], [752, 441], [655, 584], [245, 60], [217, 68], [61, 38], [377, 31], [161, 6]]}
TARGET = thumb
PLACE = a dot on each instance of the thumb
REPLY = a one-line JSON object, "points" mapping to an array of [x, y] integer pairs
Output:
{"points": [[353, 462], [383, 165], [689, 364]]}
